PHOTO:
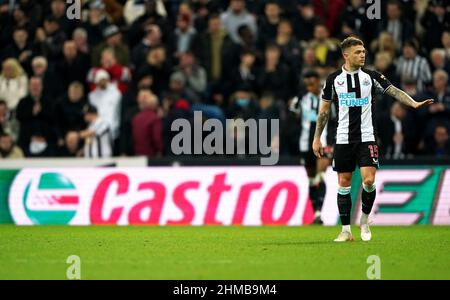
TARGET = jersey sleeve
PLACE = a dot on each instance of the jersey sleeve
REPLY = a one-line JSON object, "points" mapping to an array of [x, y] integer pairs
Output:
{"points": [[327, 93], [381, 82]]}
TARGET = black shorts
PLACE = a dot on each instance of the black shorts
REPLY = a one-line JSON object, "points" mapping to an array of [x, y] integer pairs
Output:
{"points": [[347, 156]]}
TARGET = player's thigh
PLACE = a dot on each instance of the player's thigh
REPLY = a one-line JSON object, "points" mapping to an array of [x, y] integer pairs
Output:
{"points": [[344, 158], [367, 155], [323, 164]]}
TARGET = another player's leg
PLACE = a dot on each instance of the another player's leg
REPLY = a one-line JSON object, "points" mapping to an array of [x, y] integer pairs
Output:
{"points": [[317, 187], [345, 206], [311, 170], [367, 198]]}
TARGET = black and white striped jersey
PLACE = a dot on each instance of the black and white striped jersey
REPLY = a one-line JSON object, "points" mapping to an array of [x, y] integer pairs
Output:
{"points": [[352, 93], [99, 145], [307, 106]]}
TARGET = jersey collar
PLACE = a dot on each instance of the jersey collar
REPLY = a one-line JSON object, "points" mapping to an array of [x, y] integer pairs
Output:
{"points": [[348, 72]]}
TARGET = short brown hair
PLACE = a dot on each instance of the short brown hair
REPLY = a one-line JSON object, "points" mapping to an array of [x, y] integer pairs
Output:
{"points": [[350, 42]]}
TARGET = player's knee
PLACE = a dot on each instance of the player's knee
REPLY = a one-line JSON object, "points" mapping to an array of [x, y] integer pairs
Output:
{"points": [[369, 181], [345, 182]]}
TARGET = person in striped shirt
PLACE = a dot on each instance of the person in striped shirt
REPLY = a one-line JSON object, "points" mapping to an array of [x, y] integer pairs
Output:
{"points": [[412, 65], [97, 137], [352, 89]]}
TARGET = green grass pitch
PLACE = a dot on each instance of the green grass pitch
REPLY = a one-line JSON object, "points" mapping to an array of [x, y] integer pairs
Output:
{"points": [[416, 252]]}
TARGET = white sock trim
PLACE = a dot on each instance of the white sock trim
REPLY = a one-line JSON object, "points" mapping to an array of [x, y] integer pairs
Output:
{"points": [[369, 188]]}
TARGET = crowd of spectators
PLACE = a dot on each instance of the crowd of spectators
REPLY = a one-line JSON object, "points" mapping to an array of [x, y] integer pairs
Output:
{"points": [[113, 81]]}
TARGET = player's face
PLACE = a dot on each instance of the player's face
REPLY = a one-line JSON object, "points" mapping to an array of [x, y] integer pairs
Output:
{"points": [[356, 56], [312, 84]]}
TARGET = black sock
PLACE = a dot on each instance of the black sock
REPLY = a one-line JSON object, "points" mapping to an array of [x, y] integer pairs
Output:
{"points": [[367, 200], [313, 196], [345, 207], [321, 190]]}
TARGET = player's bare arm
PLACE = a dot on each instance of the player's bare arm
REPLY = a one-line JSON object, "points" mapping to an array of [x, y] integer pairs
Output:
{"points": [[404, 98], [322, 119]]}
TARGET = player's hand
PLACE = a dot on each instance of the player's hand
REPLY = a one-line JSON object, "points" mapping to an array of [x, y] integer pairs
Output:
{"points": [[317, 148], [424, 103]]}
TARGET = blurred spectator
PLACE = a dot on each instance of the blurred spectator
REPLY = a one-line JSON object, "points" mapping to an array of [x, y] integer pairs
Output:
{"points": [[305, 21], [402, 29], [69, 110], [177, 90], [24, 15], [112, 40], [119, 75], [211, 48], [97, 22], [133, 9], [385, 43], [107, 99], [21, 49], [329, 12], [440, 110], [81, 41], [439, 60], [147, 126], [326, 49], [8, 124], [354, 18], [242, 104], [159, 67], [50, 39], [58, 12], [152, 15], [395, 132], [35, 115], [244, 74], [383, 64], [310, 60], [8, 150], [114, 9], [440, 143], [273, 77], [412, 65], [13, 83], [97, 137], [73, 67], [41, 69], [72, 147], [194, 76], [269, 22], [446, 42], [435, 20], [152, 38], [289, 45], [236, 16], [184, 34]]}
